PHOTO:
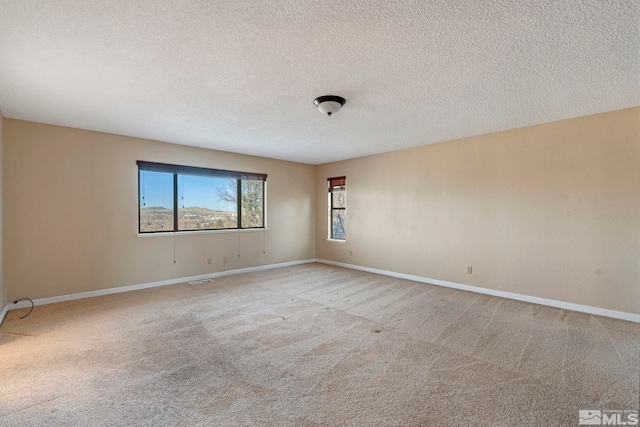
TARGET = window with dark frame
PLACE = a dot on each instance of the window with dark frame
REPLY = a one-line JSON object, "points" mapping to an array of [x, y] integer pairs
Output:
{"points": [[174, 198], [337, 208]]}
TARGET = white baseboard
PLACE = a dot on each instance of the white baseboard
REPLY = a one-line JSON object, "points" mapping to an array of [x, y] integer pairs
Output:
{"points": [[100, 292], [510, 295], [4, 313]]}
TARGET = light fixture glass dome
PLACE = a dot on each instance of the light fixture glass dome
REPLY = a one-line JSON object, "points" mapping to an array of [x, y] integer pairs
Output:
{"points": [[329, 104]]}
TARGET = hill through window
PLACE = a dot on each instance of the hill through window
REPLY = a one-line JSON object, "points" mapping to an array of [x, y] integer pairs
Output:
{"points": [[184, 198]]}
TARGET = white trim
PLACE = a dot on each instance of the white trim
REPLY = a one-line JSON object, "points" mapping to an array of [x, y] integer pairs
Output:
{"points": [[336, 241], [188, 232], [71, 297], [4, 313], [510, 295]]}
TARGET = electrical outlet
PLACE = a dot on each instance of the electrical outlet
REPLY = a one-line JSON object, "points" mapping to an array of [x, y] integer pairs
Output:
{"points": [[350, 253], [225, 259], [208, 260], [469, 270]]}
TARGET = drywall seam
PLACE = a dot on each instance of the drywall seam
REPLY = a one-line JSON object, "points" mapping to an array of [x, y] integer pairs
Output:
{"points": [[509, 295], [100, 292]]}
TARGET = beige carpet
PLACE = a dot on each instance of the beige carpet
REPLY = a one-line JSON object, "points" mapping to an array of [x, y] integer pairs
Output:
{"points": [[311, 345]]}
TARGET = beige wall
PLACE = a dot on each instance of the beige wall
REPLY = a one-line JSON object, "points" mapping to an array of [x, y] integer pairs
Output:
{"points": [[551, 211], [71, 213], [3, 288]]}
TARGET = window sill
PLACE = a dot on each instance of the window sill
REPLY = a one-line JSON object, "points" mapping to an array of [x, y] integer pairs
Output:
{"points": [[180, 233], [336, 241]]}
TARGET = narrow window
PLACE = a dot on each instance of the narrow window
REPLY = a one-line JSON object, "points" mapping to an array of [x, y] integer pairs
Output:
{"points": [[252, 197], [337, 208], [156, 201], [184, 198]]}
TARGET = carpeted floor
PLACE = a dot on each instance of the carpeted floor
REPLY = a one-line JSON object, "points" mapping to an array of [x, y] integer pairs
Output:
{"points": [[311, 345]]}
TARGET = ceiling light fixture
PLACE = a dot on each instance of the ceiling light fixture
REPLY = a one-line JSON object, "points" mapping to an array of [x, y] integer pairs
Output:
{"points": [[329, 104]]}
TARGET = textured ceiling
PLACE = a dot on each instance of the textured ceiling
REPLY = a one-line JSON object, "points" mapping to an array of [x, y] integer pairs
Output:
{"points": [[241, 76]]}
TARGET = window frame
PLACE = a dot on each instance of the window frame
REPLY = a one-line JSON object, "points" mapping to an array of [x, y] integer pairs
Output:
{"points": [[176, 170], [340, 183]]}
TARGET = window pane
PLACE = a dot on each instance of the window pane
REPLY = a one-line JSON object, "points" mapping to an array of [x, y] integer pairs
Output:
{"points": [[206, 203], [337, 224], [252, 203], [156, 201], [339, 198]]}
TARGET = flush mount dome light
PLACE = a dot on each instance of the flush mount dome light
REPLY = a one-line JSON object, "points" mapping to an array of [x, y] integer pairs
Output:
{"points": [[329, 104]]}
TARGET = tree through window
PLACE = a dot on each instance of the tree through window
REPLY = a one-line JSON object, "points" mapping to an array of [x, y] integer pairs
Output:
{"points": [[185, 198], [337, 208]]}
